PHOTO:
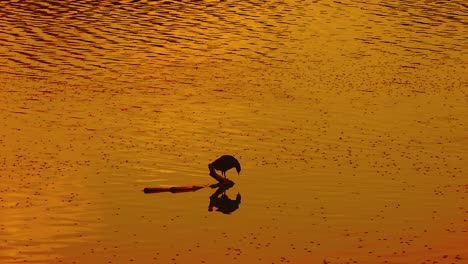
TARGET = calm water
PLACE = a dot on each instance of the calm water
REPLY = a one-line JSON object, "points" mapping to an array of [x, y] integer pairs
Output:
{"points": [[348, 117]]}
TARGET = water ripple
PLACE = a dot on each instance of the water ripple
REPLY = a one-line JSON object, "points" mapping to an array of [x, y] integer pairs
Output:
{"points": [[80, 38]]}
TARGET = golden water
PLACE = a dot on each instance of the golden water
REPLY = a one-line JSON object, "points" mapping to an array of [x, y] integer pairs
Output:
{"points": [[348, 117]]}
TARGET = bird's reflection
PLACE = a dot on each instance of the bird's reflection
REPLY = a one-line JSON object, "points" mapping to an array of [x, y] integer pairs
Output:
{"points": [[221, 201]]}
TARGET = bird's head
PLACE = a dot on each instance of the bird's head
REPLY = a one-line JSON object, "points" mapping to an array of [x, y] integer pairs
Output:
{"points": [[238, 168]]}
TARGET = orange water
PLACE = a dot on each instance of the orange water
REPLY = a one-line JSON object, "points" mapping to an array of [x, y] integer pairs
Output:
{"points": [[348, 118]]}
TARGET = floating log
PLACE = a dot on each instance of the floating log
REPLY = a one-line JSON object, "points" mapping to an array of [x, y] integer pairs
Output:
{"points": [[173, 189], [218, 177], [222, 182]]}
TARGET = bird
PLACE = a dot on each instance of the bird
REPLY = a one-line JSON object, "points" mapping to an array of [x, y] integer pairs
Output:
{"points": [[225, 163]]}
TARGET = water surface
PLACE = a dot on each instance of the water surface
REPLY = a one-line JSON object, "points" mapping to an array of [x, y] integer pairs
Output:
{"points": [[348, 117]]}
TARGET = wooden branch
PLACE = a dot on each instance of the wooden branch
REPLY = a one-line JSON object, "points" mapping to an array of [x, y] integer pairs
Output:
{"points": [[219, 178], [173, 189], [222, 182]]}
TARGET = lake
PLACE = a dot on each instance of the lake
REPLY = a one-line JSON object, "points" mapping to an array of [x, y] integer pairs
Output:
{"points": [[347, 117]]}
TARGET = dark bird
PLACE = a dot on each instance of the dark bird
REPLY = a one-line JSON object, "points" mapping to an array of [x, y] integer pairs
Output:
{"points": [[224, 163]]}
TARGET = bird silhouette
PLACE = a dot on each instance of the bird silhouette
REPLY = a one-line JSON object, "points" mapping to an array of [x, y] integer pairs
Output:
{"points": [[224, 163]]}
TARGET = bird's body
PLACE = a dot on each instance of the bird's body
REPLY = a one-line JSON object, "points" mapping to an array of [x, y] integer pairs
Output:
{"points": [[224, 163]]}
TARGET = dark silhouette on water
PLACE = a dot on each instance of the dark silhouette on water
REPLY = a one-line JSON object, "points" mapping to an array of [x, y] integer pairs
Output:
{"points": [[225, 163], [219, 198]]}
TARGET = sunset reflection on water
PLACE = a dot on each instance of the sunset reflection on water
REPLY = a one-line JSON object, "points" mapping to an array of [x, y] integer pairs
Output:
{"points": [[348, 119]]}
